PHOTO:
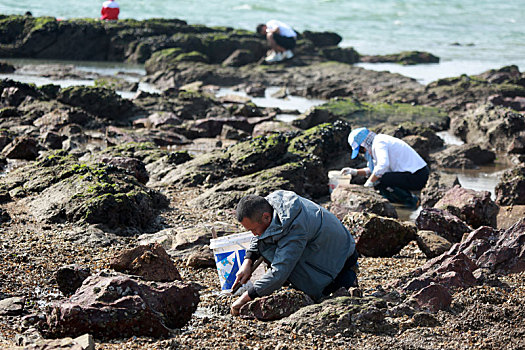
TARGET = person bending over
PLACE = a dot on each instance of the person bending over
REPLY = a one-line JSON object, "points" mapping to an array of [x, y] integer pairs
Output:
{"points": [[280, 37], [302, 242], [394, 168]]}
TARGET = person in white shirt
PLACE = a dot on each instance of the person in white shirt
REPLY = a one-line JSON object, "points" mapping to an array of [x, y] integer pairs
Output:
{"points": [[394, 168], [281, 39]]}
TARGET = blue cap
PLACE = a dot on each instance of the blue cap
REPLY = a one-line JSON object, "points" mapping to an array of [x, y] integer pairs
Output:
{"points": [[356, 138]]}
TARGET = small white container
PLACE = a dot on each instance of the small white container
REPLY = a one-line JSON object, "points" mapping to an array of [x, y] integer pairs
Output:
{"points": [[335, 178], [229, 252]]}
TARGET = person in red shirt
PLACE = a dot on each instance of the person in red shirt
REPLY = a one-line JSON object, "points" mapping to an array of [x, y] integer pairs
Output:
{"points": [[110, 10]]}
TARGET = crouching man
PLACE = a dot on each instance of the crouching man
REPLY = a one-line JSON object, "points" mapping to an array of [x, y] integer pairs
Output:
{"points": [[304, 244]]}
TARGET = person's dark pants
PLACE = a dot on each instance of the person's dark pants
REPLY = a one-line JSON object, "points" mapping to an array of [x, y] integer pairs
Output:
{"points": [[285, 42], [346, 278], [396, 186], [405, 180]]}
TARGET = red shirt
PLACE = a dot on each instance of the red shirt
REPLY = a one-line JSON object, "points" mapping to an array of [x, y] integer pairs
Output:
{"points": [[110, 10]]}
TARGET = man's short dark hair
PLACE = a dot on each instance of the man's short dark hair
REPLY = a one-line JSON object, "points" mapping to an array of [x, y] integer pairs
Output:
{"points": [[252, 207], [259, 27]]}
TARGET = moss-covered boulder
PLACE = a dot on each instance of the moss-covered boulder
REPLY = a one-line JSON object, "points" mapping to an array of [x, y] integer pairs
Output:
{"points": [[60, 188], [99, 101], [13, 93], [294, 161], [456, 93], [370, 114], [343, 315]]}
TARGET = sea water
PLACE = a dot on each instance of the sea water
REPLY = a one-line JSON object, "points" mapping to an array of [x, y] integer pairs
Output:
{"points": [[470, 36]]}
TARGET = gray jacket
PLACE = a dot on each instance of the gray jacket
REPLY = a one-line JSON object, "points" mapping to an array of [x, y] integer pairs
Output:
{"points": [[305, 243]]}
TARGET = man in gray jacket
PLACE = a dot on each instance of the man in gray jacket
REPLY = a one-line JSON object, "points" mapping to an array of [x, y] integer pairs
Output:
{"points": [[304, 243]]}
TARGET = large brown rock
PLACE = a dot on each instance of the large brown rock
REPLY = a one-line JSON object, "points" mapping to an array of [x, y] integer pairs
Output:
{"points": [[117, 306], [148, 261], [275, 306], [511, 188], [378, 236], [438, 183], [431, 244], [476, 208], [355, 198], [442, 223], [22, 147]]}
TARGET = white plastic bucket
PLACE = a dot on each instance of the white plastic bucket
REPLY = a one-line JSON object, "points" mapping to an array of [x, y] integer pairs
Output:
{"points": [[229, 252], [335, 178]]}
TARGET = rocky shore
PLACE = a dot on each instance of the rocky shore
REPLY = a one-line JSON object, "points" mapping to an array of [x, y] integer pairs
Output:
{"points": [[107, 210]]}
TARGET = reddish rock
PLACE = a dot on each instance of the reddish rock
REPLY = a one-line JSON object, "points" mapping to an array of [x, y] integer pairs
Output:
{"points": [[118, 306], [507, 254], [148, 261], [378, 236], [275, 306], [434, 297], [442, 223], [22, 147], [437, 185], [476, 208]]}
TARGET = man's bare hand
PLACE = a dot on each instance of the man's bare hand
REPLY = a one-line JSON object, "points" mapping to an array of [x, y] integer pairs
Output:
{"points": [[244, 273], [236, 306]]}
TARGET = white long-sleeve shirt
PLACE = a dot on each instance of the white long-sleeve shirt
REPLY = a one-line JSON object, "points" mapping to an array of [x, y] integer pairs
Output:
{"points": [[391, 154]]}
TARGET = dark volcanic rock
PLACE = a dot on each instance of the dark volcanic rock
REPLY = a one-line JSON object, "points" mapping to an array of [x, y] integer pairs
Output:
{"points": [[463, 157], [275, 306], [6, 67], [22, 147], [341, 54], [442, 223], [355, 198], [102, 102], [118, 306], [69, 278], [321, 39], [476, 208], [405, 58], [378, 236], [148, 261], [511, 188]]}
